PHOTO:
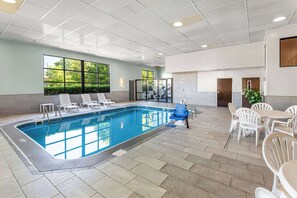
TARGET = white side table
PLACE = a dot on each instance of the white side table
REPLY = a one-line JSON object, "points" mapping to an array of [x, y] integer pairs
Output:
{"points": [[50, 106]]}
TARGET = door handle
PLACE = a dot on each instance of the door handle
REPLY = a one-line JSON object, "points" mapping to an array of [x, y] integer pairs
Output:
{"points": [[218, 92]]}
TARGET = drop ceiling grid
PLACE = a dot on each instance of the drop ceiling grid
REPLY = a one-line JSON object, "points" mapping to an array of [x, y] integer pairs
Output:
{"points": [[58, 22]]}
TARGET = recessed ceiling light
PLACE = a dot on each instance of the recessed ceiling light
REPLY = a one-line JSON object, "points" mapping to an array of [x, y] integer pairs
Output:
{"points": [[177, 24], [9, 1], [204, 46], [278, 19], [160, 54], [143, 57]]}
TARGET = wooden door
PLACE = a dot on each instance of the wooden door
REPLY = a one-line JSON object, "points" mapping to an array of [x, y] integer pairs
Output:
{"points": [[252, 83], [131, 90], [224, 92]]}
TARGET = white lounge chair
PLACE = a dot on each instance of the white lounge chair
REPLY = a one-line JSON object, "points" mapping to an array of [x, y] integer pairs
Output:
{"points": [[87, 101], [103, 100], [66, 103]]}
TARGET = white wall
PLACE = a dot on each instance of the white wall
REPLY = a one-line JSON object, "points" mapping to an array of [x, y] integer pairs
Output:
{"points": [[240, 56], [21, 68], [281, 81], [163, 74], [207, 81]]}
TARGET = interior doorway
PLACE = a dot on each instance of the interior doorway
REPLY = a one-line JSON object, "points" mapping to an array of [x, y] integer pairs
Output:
{"points": [[251, 83], [224, 91], [154, 90]]}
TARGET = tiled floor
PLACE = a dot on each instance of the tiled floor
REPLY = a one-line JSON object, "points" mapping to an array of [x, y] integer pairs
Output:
{"points": [[178, 163]]}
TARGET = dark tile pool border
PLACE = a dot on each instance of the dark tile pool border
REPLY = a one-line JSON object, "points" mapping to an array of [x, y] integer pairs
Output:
{"points": [[39, 158]]}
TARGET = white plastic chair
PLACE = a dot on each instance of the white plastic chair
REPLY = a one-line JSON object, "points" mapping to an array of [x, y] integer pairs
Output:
{"points": [[277, 149], [263, 193], [261, 106], [234, 117], [249, 120], [66, 103], [103, 100], [87, 101], [289, 127], [292, 110]]}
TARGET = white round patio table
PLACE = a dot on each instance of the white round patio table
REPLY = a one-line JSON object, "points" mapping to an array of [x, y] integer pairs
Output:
{"points": [[272, 114], [288, 177]]}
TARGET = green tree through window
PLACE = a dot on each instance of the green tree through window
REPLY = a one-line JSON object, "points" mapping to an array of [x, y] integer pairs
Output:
{"points": [[148, 79], [64, 75]]}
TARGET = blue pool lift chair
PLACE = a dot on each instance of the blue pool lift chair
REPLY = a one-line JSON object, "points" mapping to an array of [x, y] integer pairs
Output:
{"points": [[180, 113]]}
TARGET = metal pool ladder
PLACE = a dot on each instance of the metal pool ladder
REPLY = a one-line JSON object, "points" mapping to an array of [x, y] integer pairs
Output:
{"points": [[57, 110], [45, 114], [194, 111]]}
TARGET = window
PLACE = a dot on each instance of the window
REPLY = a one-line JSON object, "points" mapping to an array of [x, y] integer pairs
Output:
{"points": [[64, 75]]}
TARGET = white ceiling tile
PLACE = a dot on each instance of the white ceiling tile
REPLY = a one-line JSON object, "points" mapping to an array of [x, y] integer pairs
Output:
{"points": [[15, 30], [48, 4], [294, 18], [185, 15], [2, 27], [54, 19], [70, 7], [32, 11], [151, 24], [32, 35], [89, 2], [86, 30], [235, 37], [5, 17], [257, 36], [110, 6], [205, 6], [8, 35], [129, 10], [42, 27], [152, 3], [234, 12], [256, 7], [72, 25], [23, 22], [171, 7]]}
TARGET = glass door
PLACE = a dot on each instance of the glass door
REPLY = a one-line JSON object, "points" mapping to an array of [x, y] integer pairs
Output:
{"points": [[154, 90]]}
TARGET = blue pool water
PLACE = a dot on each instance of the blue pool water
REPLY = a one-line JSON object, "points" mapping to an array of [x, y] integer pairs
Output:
{"points": [[85, 135]]}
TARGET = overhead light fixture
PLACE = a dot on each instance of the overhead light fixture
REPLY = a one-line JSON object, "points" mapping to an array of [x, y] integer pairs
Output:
{"points": [[143, 57], [160, 54], [177, 24], [204, 46], [9, 1], [278, 19]]}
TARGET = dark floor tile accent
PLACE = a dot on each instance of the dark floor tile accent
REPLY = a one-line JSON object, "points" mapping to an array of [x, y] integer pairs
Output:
{"points": [[229, 161], [212, 174], [219, 189], [246, 186], [180, 174], [203, 161], [183, 189], [241, 173]]}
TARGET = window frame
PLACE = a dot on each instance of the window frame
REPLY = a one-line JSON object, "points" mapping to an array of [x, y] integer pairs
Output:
{"points": [[82, 73]]}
